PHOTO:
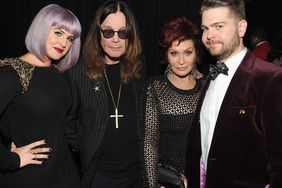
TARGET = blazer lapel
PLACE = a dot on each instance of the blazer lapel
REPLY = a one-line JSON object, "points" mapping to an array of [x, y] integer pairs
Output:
{"points": [[100, 100], [201, 100], [232, 92]]}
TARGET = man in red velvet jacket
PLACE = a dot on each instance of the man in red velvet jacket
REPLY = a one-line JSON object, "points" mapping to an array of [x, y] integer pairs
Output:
{"points": [[259, 43], [235, 140]]}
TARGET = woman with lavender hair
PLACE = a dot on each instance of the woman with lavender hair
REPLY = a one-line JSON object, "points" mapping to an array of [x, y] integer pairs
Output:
{"points": [[34, 104]]}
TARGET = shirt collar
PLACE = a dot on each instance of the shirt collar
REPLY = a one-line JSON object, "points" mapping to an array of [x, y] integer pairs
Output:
{"points": [[234, 62]]}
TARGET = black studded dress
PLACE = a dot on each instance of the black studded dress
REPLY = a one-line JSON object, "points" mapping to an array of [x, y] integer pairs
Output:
{"points": [[34, 103]]}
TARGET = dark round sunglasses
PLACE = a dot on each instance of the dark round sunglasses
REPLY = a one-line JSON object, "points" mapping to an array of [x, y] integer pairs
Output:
{"points": [[109, 33]]}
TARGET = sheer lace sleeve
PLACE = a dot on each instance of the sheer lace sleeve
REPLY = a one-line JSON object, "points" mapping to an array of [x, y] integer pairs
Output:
{"points": [[149, 135]]}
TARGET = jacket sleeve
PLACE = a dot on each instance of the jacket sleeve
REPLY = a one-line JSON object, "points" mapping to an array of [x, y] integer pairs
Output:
{"points": [[71, 129], [149, 137], [272, 123]]}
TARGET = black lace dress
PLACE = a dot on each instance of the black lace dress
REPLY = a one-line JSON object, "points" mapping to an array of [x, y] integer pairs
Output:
{"points": [[167, 114]]}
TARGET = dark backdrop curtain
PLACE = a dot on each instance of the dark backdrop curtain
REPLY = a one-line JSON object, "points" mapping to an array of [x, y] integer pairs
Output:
{"points": [[16, 16], [151, 15]]}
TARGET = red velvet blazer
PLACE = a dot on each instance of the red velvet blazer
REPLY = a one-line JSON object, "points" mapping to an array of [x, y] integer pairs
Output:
{"points": [[246, 149]]}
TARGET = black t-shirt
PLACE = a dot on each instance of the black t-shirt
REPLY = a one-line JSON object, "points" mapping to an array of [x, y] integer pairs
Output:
{"points": [[120, 151]]}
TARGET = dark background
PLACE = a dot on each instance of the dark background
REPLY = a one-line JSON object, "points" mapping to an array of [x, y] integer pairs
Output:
{"points": [[16, 16]]}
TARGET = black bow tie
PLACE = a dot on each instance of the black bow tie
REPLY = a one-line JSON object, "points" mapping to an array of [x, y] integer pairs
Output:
{"points": [[218, 68]]}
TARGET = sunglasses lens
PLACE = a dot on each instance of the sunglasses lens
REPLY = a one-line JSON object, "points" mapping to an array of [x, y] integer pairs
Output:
{"points": [[122, 34], [108, 33]]}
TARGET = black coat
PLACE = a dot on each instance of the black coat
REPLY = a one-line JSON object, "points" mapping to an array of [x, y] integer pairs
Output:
{"points": [[89, 117]]}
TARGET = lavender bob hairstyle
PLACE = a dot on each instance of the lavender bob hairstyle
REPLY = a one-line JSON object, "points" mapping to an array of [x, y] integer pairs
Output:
{"points": [[54, 15]]}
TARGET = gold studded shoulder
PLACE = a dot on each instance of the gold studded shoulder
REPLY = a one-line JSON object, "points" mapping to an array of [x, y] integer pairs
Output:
{"points": [[24, 70]]}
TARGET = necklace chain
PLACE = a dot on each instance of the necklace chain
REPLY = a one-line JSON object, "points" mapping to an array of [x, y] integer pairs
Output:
{"points": [[119, 91]]}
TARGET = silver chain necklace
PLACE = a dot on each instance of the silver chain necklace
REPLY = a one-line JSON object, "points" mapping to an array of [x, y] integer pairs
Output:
{"points": [[116, 115]]}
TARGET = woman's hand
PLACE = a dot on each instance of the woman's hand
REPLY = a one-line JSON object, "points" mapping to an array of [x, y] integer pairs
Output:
{"points": [[30, 153]]}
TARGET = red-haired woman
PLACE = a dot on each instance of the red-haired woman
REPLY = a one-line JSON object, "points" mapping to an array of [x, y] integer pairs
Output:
{"points": [[169, 101]]}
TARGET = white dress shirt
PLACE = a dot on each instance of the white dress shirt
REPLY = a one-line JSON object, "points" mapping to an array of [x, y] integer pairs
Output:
{"points": [[212, 103]]}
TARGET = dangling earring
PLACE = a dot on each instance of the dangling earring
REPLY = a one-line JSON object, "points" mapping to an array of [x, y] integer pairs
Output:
{"points": [[194, 69], [168, 70], [195, 73]]}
